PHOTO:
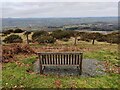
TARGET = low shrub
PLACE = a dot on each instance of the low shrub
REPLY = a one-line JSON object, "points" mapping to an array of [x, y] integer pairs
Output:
{"points": [[65, 39], [113, 37], [8, 32], [60, 34], [27, 32], [103, 38], [7, 55], [13, 39], [18, 30], [46, 39], [38, 34], [8, 52]]}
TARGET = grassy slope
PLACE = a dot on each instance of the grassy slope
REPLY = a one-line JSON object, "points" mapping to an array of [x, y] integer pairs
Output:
{"points": [[15, 75]]}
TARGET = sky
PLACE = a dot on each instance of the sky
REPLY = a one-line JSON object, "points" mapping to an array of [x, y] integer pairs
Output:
{"points": [[13, 9], [59, 0]]}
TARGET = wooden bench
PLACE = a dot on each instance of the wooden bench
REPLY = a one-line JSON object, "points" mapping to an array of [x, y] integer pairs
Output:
{"points": [[60, 59]]}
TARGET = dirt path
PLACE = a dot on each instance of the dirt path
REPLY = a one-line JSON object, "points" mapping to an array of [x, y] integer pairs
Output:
{"points": [[91, 68]]}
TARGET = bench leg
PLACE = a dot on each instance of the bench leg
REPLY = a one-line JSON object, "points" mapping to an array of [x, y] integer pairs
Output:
{"points": [[77, 67], [44, 68], [41, 71], [80, 72]]}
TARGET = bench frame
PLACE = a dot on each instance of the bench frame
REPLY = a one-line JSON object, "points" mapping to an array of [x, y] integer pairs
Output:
{"points": [[41, 65]]}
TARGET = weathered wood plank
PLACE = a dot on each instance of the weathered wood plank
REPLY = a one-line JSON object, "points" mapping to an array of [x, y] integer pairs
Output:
{"points": [[60, 59]]}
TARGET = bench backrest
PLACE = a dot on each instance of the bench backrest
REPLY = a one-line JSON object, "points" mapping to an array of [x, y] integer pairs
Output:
{"points": [[50, 58]]}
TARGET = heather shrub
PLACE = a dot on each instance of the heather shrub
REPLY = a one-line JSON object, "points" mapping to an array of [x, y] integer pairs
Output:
{"points": [[60, 34], [46, 39], [18, 30], [8, 32], [13, 39], [103, 38], [38, 34], [8, 52], [113, 37]]}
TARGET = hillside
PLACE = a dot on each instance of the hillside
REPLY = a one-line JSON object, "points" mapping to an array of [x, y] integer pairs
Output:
{"points": [[24, 22]]}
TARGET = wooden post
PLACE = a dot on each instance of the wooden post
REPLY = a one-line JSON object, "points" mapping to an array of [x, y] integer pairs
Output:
{"points": [[75, 36], [75, 40], [93, 42], [27, 39]]}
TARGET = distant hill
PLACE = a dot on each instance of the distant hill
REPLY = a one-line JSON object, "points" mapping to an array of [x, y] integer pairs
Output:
{"points": [[24, 22]]}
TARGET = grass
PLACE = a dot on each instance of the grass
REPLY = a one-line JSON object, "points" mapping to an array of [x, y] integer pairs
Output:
{"points": [[15, 75], [20, 74], [104, 55]]}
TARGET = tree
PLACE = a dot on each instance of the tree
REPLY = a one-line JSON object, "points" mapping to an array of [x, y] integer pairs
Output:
{"points": [[102, 38], [46, 39], [18, 30], [94, 36], [61, 34], [113, 37], [84, 36], [38, 34], [74, 34], [27, 35]]}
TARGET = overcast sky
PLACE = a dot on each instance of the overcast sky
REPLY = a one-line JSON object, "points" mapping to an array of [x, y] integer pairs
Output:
{"points": [[59, 0], [58, 9]]}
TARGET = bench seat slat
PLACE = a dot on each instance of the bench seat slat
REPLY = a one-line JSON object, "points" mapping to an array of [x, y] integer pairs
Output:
{"points": [[56, 59], [61, 59], [67, 59]]}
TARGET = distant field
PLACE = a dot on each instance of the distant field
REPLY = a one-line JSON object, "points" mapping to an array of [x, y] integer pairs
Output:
{"points": [[22, 22]]}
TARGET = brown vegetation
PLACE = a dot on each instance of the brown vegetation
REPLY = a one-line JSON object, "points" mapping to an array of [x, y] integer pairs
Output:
{"points": [[9, 51]]}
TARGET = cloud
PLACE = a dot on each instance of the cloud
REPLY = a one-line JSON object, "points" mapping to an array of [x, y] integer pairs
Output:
{"points": [[59, 9], [59, 1]]}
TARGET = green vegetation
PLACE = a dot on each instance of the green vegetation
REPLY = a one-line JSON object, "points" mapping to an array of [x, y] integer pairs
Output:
{"points": [[38, 34], [8, 32], [18, 78], [13, 39], [46, 39], [110, 38], [113, 37], [27, 35], [65, 35], [20, 75], [61, 34], [104, 55], [18, 30]]}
